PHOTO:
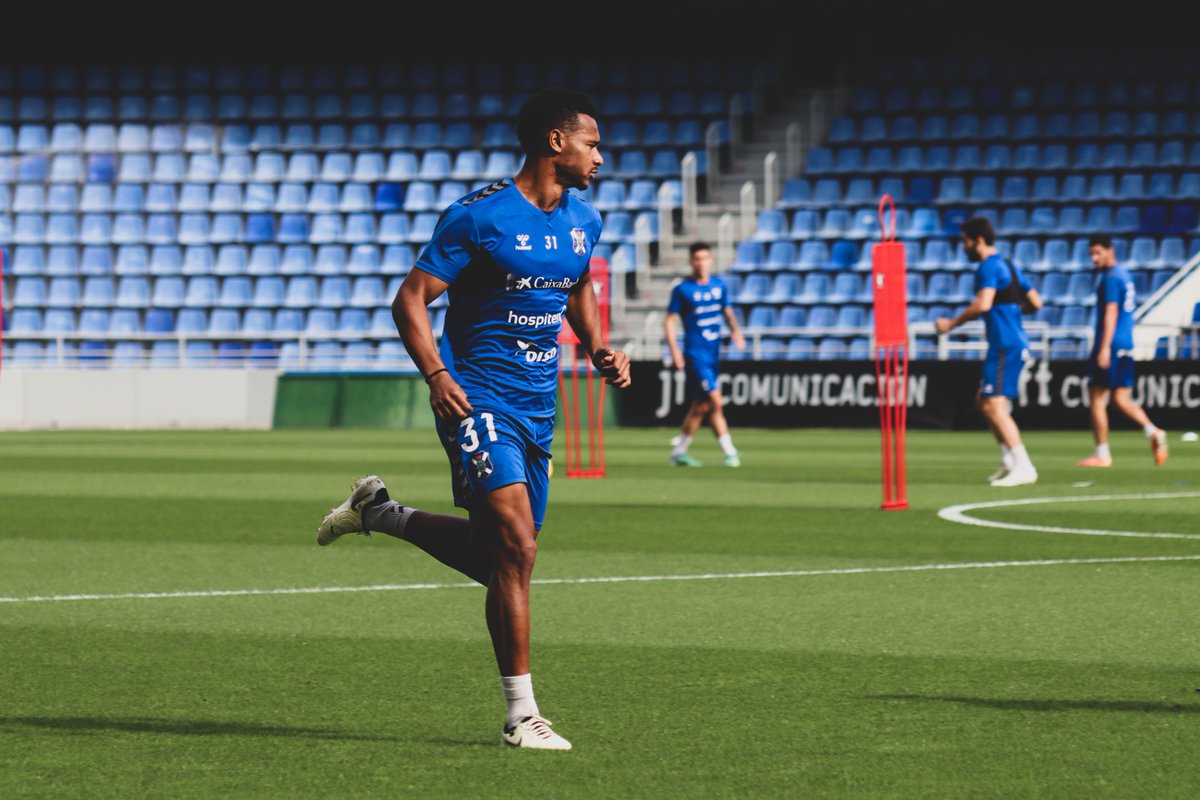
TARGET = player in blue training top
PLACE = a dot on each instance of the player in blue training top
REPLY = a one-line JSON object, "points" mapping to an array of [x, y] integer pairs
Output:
{"points": [[1110, 366], [702, 302], [514, 258], [1002, 294]]}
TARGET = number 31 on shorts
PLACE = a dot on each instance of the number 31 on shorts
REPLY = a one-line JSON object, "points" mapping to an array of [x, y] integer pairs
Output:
{"points": [[472, 436]]}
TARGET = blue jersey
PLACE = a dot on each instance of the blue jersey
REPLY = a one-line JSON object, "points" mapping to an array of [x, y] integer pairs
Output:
{"points": [[701, 306], [1115, 286], [1003, 320], [510, 267]]}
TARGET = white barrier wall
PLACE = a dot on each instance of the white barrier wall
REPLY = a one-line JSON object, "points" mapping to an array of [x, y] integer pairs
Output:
{"points": [[136, 398]]}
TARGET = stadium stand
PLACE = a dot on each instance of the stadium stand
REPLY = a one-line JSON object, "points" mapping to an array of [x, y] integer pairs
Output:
{"points": [[1051, 150], [297, 189]]}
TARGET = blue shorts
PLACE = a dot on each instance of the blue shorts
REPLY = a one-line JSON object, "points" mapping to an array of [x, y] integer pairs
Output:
{"points": [[1119, 374], [701, 379], [1002, 372], [490, 449]]}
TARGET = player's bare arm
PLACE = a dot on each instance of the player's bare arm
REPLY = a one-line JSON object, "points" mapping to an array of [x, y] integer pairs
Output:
{"points": [[584, 315], [979, 306], [1032, 301], [739, 341], [411, 314], [669, 323], [1104, 353]]}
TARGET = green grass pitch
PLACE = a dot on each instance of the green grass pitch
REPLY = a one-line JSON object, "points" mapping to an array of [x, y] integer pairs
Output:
{"points": [[848, 676]]}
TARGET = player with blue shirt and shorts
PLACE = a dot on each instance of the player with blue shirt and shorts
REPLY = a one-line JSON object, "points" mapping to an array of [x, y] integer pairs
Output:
{"points": [[1110, 366], [514, 259], [702, 301], [1002, 294]]}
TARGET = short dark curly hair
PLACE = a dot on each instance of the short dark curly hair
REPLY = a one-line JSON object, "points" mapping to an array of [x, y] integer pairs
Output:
{"points": [[979, 228], [547, 109]]}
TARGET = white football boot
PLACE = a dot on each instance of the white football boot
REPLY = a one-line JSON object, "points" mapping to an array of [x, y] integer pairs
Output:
{"points": [[1020, 475], [534, 732], [347, 518]]}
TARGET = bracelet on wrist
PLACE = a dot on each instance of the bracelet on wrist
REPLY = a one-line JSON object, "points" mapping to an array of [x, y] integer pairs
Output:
{"points": [[435, 372]]}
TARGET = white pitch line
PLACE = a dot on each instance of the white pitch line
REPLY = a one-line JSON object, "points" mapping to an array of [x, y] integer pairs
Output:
{"points": [[708, 576], [958, 514]]}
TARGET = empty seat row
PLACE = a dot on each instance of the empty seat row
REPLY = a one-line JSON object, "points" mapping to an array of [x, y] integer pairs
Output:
{"points": [[791, 295], [614, 194], [1017, 188], [132, 137], [935, 254], [277, 167], [932, 127], [207, 291], [224, 228], [36, 198], [301, 167], [851, 159], [375, 323], [1050, 94], [229, 259], [842, 223], [199, 353]]}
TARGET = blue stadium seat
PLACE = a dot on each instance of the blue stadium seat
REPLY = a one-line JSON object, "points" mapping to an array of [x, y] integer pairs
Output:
{"points": [[1074, 316], [394, 229], [231, 260], [29, 198], [268, 292], [780, 255], [1143, 253], [330, 260], [202, 291], [301, 292], [168, 292], [785, 287], [166, 260], [264, 260], [748, 256], [61, 199]]}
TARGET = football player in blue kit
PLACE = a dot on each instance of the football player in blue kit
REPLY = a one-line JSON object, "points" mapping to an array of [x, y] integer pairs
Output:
{"points": [[1110, 367], [514, 258], [702, 301], [1002, 294]]}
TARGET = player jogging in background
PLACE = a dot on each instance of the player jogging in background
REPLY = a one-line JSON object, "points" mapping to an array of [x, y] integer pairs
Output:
{"points": [[1002, 293], [514, 258], [702, 302], [1110, 366]]}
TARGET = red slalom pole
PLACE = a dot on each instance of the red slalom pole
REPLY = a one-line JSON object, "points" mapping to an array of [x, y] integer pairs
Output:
{"points": [[891, 367]]}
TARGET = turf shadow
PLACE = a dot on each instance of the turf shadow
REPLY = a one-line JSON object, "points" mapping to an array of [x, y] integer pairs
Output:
{"points": [[1139, 706], [205, 728]]}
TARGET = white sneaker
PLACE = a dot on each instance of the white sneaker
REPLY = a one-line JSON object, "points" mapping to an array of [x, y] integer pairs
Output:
{"points": [[534, 732], [1018, 476], [1000, 472], [347, 518]]}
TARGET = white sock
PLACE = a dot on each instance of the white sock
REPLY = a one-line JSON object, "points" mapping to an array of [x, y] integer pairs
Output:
{"points": [[1150, 429], [1021, 457], [726, 443], [1102, 451], [681, 446], [518, 692], [389, 517], [1006, 457]]}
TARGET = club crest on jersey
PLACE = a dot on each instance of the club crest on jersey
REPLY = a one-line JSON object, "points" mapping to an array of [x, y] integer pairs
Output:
{"points": [[579, 241], [481, 462], [523, 241]]}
